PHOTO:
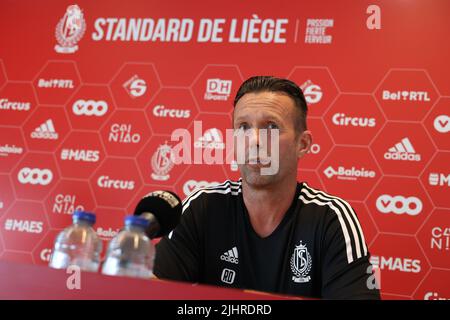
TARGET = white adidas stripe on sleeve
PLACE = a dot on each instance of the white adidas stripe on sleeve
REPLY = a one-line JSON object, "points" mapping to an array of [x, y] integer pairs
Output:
{"points": [[351, 216], [344, 213], [224, 188]]}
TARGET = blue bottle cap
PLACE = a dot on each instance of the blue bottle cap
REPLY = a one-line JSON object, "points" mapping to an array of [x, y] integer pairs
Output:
{"points": [[84, 216], [136, 221]]}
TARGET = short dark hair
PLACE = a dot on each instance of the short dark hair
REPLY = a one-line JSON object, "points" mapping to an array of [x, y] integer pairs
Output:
{"points": [[258, 84]]}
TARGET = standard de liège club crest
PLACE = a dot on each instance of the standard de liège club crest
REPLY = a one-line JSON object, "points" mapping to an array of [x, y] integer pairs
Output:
{"points": [[301, 263], [70, 29]]}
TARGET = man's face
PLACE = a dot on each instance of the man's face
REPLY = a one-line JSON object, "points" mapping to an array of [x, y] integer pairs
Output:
{"points": [[269, 110]]}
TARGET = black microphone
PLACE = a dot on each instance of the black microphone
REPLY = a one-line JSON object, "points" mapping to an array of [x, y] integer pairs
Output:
{"points": [[162, 209]]}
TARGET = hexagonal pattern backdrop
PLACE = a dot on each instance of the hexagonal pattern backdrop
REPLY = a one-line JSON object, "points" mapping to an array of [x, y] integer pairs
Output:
{"points": [[87, 113]]}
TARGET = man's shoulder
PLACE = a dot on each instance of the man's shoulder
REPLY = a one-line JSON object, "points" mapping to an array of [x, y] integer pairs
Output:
{"points": [[340, 223], [323, 202], [214, 194]]}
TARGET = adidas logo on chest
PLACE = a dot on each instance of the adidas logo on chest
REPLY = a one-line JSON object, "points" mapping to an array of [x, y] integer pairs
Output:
{"points": [[230, 256]]}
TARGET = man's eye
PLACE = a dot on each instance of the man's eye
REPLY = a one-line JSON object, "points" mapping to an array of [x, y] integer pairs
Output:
{"points": [[272, 126], [243, 126]]}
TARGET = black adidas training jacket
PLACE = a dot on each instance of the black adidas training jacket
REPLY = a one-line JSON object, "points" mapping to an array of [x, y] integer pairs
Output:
{"points": [[317, 250]]}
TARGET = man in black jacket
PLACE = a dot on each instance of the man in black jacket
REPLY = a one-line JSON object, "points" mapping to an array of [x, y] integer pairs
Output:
{"points": [[269, 232]]}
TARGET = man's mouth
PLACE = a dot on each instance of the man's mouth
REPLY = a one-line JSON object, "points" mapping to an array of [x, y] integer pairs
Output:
{"points": [[258, 161]]}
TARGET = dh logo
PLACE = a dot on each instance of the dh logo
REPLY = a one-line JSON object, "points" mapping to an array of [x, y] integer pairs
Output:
{"points": [[218, 86]]}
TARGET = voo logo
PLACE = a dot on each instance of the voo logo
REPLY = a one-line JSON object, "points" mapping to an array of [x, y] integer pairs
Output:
{"points": [[193, 185], [35, 176], [90, 108], [399, 205], [442, 123]]}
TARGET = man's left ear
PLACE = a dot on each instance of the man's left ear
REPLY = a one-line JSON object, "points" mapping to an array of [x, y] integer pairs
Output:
{"points": [[304, 143]]}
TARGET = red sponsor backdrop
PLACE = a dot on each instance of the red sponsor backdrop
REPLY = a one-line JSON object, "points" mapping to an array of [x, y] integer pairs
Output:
{"points": [[90, 94]]}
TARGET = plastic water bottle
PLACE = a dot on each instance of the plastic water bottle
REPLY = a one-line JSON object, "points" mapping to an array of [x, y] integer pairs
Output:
{"points": [[78, 245], [130, 253]]}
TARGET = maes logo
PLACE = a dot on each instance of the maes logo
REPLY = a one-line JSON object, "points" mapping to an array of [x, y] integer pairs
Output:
{"points": [[396, 264]]}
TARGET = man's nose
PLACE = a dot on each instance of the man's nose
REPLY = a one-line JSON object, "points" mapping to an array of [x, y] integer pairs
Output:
{"points": [[254, 137]]}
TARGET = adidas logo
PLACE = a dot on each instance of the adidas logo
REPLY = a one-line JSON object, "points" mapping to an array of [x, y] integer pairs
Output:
{"points": [[402, 151], [211, 139], [45, 131], [230, 256]]}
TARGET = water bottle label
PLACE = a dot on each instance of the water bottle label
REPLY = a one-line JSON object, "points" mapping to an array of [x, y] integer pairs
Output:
{"points": [[114, 266], [59, 260], [111, 266], [86, 264], [62, 260]]}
